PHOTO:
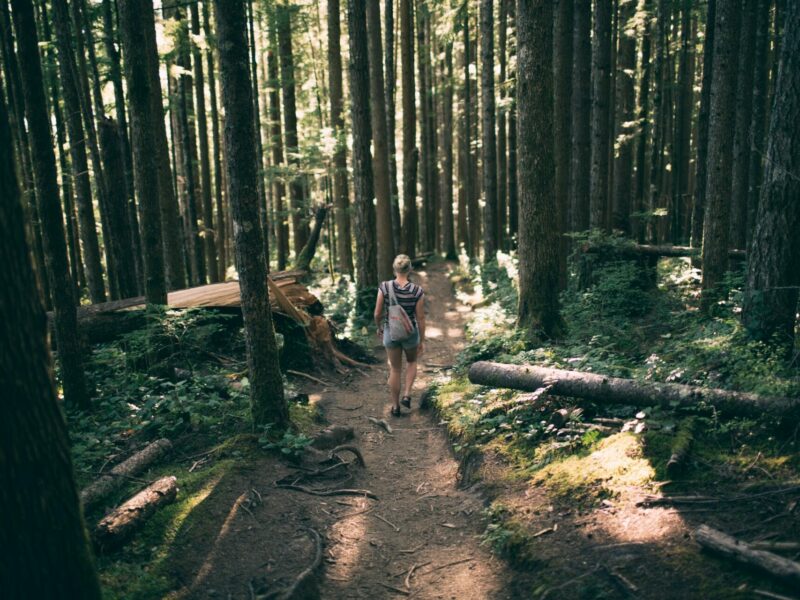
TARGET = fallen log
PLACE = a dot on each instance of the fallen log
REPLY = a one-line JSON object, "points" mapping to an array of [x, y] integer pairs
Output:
{"points": [[681, 446], [656, 250], [729, 547], [116, 527], [615, 390], [115, 478]]}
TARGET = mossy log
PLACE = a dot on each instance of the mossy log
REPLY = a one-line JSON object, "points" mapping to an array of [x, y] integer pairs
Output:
{"points": [[681, 446], [115, 528], [615, 390], [116, 478], [729, 547]]}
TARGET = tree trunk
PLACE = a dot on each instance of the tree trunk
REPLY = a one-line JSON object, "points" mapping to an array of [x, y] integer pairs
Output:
{"points": [[45, 543], [410, 152], [120, 240], [279, 187], [615, 390], [683, 126], [390, 86], [366, 268], [307, 253], [219, 230], [52, 219], [137, 35], [298, 207], [502, 138], [341, 198], [759, 123], [489, 141], [380, 159], [208, 231], [116, 527], [513, 210], [744, 114], [625, 134], [267, 402], [601, 88], [473, 221], [581, 108], [773, 273], [424, 222], [448, 230], [80, 165], [643, 123], [720, 149], [562, 74], [434, 231], [656, 178], [538, 233], [701, 163]]}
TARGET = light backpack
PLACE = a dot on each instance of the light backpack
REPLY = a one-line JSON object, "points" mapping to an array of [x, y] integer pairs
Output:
{"points": [[400, 326]]}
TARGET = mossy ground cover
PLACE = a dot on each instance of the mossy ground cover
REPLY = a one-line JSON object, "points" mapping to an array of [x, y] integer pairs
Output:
{"points": [[621, 328]]}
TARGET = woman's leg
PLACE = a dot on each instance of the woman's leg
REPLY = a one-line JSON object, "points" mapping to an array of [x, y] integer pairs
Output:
{"points": [[411, 369], [395, 365]]}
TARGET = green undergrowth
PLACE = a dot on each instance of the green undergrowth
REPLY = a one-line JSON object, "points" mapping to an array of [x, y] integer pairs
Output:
{"points": [[618, 325], [182, 377]]}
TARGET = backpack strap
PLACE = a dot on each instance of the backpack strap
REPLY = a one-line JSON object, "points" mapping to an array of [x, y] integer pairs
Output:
{"points": [[392, 297]]}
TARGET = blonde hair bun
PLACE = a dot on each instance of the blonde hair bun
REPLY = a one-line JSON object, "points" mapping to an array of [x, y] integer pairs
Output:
{"points": [[401, 264]]}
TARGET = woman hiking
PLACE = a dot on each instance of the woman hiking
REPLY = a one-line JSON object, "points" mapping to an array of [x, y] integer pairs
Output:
{"points": [[400, 317]]}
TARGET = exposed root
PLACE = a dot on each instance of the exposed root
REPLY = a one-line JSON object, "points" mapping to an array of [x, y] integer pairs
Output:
{"points": [[354, 450], [308, 572], [342, 492]]}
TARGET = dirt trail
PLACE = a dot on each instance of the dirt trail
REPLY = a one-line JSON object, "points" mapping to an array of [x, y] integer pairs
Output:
{"points": [[413, 472], [240, 544]]}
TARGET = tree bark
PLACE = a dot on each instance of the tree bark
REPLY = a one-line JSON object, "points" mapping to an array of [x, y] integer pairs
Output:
{"points": [[683, 124], [489, 142], [625, 133], [307, 253], [773, 273], [45, 542], [410, 152], [615, 390], [448, 229], [276, 143], [344, 240], [638, 226], [207, 226], [298, 207], [267, 402], [720, 149], [701, 162], [562, 130], [52, 219], [502, 136], [538, 311], [424, 223], [380, 158], [366, 268], [513, 209], [601, 89], [581, 108], [472, 194], [390, 87], [116, 527], [137, 34]]}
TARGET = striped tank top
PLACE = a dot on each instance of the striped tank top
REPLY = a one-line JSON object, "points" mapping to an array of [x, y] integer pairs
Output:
{"points": [[407, 297]]}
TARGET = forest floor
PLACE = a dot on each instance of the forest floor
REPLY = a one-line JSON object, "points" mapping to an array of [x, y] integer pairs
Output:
{"points": [[466, 520]]}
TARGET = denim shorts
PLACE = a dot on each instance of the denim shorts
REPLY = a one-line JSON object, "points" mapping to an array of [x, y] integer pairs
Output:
{"points": [[407, 344]]}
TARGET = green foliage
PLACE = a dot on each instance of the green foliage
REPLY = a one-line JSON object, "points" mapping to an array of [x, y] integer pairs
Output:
{"points": [[291, 445], [507, 538]]}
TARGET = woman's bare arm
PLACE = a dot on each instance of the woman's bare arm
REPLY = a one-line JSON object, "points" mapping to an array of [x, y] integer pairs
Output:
{"points": [[378, 315], [420, 314]]}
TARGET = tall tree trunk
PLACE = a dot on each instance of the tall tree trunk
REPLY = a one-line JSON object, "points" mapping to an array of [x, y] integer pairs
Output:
{"points": [[758, 124], [513, 210], [52, 219], [121, 239], [45, 541], [489, 142], [773, 276], [366, 268], [341, 198], [390, 86], [601, 87], [720, 149], [298, 207], [626, 105], [425, 223], [448, 232], [581, 107], [701, 162], [434, 232], [744, 115], [137, 36], [267, 402], [80, 165], [660, 109], [279, 187], [410, 152], [502, 139], [538, 311], [473, 207], [208, 230], [562, 94], [380, 159], [216, 148], [638, 226], [683, 125]]}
